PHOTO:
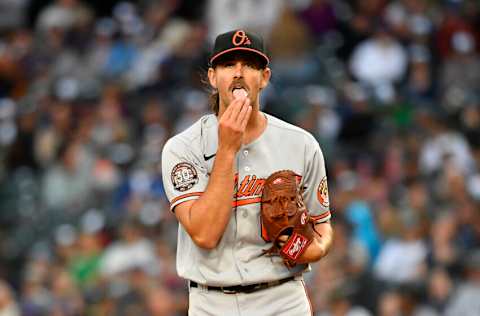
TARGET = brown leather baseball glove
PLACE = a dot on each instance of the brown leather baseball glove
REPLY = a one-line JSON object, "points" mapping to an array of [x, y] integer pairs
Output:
{"points": [[283, 212]]}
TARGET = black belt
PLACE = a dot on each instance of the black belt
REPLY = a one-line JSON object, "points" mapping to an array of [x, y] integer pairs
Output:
{"points": [[242, 288]]}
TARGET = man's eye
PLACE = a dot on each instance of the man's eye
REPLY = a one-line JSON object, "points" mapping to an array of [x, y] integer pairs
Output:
{"points": [[251, 65]]}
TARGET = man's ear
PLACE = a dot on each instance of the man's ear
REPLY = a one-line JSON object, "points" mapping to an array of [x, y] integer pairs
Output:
{"points": [[266, 74], [212, 78]]}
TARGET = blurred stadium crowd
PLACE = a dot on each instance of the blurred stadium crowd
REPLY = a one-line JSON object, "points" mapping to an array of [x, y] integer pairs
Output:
{"points": [[391, 90]]}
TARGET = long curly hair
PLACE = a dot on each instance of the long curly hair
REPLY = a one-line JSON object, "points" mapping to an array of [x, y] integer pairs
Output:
{"points": [[214, 101]]}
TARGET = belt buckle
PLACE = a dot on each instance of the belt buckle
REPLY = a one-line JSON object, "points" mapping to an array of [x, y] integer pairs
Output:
{"points": [[227, 291]]}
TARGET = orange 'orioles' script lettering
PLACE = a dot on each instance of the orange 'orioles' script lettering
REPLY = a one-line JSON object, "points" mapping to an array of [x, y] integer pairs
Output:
{"points": [[249, 187]]}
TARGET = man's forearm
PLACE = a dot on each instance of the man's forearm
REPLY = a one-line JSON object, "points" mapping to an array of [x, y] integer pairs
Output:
{"points": [[320, 245], [209, 215]]}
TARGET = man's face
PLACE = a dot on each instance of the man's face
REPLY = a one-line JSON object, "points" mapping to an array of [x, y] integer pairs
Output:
{"points": [[238, 71]]}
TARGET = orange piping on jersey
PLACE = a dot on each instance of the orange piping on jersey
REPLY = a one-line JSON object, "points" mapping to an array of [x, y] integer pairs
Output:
{"points": [[185, 196], [316, 218], [246, 201]]}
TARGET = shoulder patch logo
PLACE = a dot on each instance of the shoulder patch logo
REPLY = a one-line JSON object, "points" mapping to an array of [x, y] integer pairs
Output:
{"points": [[184, 176], [322, 193]]}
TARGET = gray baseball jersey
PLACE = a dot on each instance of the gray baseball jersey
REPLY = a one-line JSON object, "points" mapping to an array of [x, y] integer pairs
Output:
{"points": [[238, 259]]}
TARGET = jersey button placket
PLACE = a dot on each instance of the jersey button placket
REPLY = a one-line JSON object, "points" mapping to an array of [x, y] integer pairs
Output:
{"points": [[245, 155], [243, 215]]}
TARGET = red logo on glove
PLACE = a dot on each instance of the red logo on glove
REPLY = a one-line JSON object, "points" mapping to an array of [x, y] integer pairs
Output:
{"points": [[303, 218], [295, 246]]}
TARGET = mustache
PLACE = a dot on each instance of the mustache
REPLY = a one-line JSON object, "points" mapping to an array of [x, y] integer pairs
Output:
{"points": [[237, 83]]}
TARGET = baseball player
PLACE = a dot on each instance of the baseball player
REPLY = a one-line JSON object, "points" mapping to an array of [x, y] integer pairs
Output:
{"points": [[214, 173]]}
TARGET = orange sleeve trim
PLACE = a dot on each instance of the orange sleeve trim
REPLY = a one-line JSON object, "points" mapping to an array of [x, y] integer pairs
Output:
{"points": [[246, 201], [321, 216], [185, 196]]}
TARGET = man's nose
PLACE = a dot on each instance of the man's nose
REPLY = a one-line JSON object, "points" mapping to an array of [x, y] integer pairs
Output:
{"points": [[238, 70]]}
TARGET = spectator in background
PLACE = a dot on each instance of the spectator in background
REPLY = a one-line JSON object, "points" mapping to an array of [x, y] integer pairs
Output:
{"points": [[452, 22], [380, 60], [410, 19], [226, 15], [54, 132], [155, 126], [390, 303], [66, 297], [468, 234], [99, 47], [405, 300], [110, 126], [321, 116], [444, 250], [465, 300], [443, 146], [132, 251], [195, 105], [62, 14], [320, 17], [358, 22], [469, 120], [460, 73], [8, 305], [419, 88], [183, 64], [358, 121], [159, 301], [13, 14], [84, 264], [341, 303], [291, 49], [66, 187], [402, 259], [440, 288], [346, 268], [417, 200], [19, 134], [12, 79], [165, 35], [36, 298]]}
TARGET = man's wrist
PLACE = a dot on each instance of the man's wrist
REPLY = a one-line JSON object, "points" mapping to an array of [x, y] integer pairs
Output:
{"points": [[226, 153]]}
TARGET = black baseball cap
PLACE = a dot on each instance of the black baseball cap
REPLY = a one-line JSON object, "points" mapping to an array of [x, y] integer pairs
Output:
{"points": [[239, 40]]}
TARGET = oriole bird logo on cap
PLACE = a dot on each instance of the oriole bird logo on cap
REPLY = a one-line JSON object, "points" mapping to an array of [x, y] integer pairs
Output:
{"points": [[240, 38]]}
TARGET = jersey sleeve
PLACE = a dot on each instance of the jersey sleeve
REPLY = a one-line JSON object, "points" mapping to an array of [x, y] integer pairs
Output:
{"points": [[316, 187], [184, 177]]}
